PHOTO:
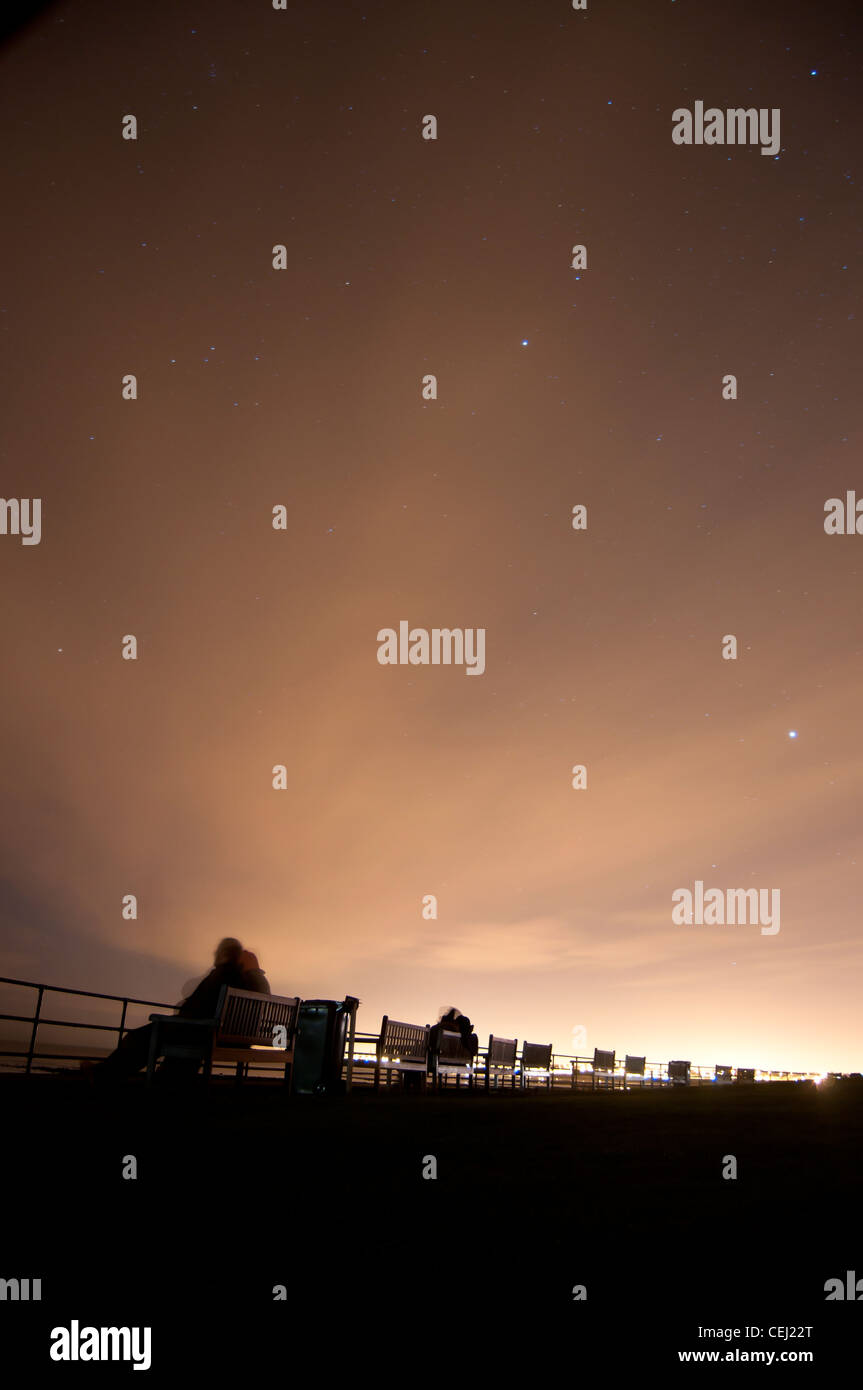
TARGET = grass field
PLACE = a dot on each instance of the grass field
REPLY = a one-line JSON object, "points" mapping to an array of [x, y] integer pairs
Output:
{"points": [[239, 1191]]}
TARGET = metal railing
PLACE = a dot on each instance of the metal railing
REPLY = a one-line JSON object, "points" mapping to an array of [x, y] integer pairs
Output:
{"points": [[37, 1019], [571, 1072], [567, 1070]]}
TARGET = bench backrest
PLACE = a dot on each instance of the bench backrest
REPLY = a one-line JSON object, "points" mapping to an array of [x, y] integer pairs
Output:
{"points": [[247, 1018], [603, 1061], [634, 1066], [450, 1048], [407, 1041], [678, 1071], [536, 1055], [502, 1052]]}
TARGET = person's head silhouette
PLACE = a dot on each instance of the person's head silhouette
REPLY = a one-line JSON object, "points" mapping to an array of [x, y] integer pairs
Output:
{"points": [[228, 951]]}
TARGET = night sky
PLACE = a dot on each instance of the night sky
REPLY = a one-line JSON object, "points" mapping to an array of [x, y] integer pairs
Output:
{"points": [[556, 386]]}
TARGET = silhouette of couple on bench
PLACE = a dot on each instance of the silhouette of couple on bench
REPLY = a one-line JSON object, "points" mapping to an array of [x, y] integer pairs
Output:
{"points": [[453, 1020]]}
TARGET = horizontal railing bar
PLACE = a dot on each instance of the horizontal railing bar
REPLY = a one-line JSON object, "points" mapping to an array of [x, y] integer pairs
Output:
{"points": [[67, 1023], [55, 1056], [86, 993], [70, 1057]]}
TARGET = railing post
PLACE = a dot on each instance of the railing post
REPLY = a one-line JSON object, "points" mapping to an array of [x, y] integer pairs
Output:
{"points": [[122, 1022], [33, 1033], [352, 1033]]}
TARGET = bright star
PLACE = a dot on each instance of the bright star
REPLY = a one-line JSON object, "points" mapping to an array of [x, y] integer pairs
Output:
{"points": [[792, 733]]}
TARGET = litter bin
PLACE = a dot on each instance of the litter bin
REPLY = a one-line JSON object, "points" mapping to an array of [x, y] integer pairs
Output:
{"points": [[324, 1026]]}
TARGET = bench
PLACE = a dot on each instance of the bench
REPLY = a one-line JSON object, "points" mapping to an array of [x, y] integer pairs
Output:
{"points": [[745, 1074], [242, 1032], [501, 1060], [603, 1069], [678, 1073], [535, 1059], [633, 1067], [402, 1048], [723, 1075], [449, 1057]]}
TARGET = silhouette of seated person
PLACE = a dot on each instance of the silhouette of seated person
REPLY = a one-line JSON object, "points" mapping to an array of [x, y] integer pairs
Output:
{"points": [[253, 976], [134, 1050]]}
